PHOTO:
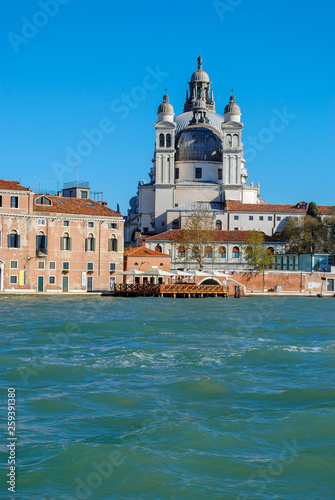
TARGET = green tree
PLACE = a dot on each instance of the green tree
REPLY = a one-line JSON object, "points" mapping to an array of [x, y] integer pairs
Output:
{"points": [[313, 211], [194, 239], [257, 256], [328, 224], [305, 235]]}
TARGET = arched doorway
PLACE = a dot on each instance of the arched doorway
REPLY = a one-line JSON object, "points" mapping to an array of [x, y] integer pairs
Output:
{"points": [[210, 281]]}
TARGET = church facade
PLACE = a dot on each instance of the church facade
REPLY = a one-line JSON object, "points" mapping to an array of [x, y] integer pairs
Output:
{"points": [[199, 162]]}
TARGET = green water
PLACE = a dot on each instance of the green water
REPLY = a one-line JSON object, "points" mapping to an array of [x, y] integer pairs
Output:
{"points": [[155, 398]]}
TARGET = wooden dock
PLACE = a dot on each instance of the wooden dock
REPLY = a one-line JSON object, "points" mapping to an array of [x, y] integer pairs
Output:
{"points": [[164, 290]]}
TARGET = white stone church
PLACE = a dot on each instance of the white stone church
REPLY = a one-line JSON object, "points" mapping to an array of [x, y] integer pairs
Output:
{"points": [[199, 161]]}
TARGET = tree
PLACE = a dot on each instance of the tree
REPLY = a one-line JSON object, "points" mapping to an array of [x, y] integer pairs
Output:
{"points": [[328, 224], [257, 256], [193, 242], [304, 236], [313, 211]]}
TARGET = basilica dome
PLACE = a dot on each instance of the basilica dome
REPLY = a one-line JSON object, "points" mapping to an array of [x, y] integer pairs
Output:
{"points": [[199, 143], [200, 76]]}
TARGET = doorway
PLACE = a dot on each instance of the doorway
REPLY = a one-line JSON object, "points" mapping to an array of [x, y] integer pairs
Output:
{"points": [[40, 284], [112, 283], [65, 284], [89, 283]]}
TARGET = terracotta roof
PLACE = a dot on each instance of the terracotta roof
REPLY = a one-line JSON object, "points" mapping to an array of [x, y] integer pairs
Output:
{"points": [[12, 185], [143, 251], [75, 206], [237, 206], [215, 236]]}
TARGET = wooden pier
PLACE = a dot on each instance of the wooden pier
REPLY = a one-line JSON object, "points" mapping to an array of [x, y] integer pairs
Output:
{"points": [[164, 290]]}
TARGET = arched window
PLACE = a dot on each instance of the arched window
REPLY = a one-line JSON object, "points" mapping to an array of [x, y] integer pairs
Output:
{"points": [[181, 252], [90, 243], [209, 252], [41, 243], [236, 252], [270, 250], [235, 141], [113, 244], [228, 141], [175, 224], [161, 140], [136, 264], [65, 242], [158, 248], [222, 252], [248, 250], [168, 140], [195, 251], [161, 264], [13, 239], [218, 225]]}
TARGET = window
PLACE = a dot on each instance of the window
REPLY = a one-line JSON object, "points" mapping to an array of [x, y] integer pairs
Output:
{"points": [[198, 173], [83, 194], [235, 217], [251, 217], [222, 253], [236, 252], [113, 244], [220, 174], [40, 264], [261, 217], [228, 141], [14, 202], [270, 250], [136, 264], [0, 200], [168, 140], [176, 173], [13, 279], [66, 242], [195, 251], [208, 252], [90, 224], [161, 264], [89, 266], [13, 264], [158, 248], [218, 225], [41, 243], [41, 222], [113, 225], [235, 228], [112, 266], [278, 218], [66, 266], [52, 265], [161, 141], [52, 280], [42, 200], [175, 224], [13, 239], [181, 252], [270, 217], [90, 204], [248, 250], [66, 223], [90, 243]]}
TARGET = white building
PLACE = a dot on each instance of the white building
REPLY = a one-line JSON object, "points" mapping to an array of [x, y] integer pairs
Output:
{"points": [[199, 161]]}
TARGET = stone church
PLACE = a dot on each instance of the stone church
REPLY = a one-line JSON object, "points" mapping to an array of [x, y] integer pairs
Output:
{"points": [[199, 161]]}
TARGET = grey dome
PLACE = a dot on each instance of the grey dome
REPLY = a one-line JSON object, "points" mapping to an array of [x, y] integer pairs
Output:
{"points": [[232, 107], [200, 76], [166, 108], [198, 143], [183, 120]]}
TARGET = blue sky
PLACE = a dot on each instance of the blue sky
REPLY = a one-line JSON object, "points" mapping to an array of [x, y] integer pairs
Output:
{"points": [[65, 61]]}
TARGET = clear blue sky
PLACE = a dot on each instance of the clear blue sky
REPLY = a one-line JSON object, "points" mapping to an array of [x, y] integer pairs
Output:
{"points": [[59, 79]]}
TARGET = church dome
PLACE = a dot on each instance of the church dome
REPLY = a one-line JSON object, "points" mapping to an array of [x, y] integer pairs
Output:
{"points": [[198, 143], [232, 107], [200, 76], [166, 108]]}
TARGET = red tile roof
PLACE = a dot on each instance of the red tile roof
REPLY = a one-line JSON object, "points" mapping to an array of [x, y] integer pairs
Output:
{"points": [[143, 251], [12, 185], [74, 206], [237, 206], [215, 236]]}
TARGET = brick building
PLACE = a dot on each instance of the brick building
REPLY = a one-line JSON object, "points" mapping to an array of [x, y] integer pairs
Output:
{"points": [[57, 243]]}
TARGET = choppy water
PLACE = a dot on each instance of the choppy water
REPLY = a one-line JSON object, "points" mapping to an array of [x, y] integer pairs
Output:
{"points": [[153, 398]]}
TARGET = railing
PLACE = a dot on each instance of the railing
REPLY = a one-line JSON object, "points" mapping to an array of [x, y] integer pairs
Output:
{"points": [[188, 288], [145, 289]]}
